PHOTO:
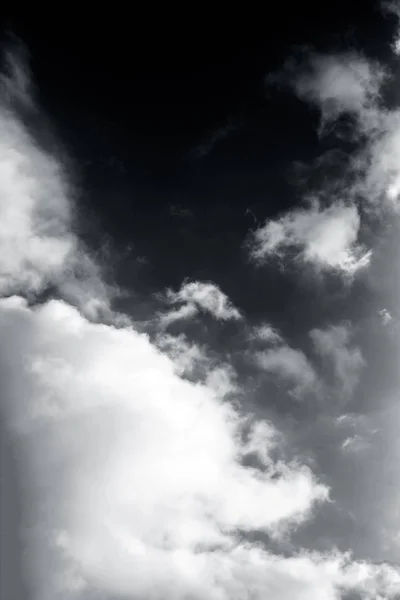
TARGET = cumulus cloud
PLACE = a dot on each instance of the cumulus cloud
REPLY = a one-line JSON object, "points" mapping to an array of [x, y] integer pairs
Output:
{"points": [[197, 296], [334, 345], [142, 465], [136, 477], [324, 237]]}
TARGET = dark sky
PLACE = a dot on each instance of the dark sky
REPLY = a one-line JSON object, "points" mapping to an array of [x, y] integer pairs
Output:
{"points": [[138, 98]]}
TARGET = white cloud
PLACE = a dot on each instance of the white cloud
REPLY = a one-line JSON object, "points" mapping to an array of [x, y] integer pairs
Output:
{"points": [[37, 239], [35, 215], [140, 465], [194, 296], [183, 313], [334, 345], [355, 443], [326, 238], [185, 355]]}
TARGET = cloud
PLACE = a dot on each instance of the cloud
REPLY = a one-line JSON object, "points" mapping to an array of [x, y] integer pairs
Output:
{"points": [[325, 238], [194, 296], [135, 476], [271, 354], [266, 333], [353, 85], [392, 7], [341, 83], [142, 466], [141, 476], [385, 316], [334, 345], [39, 246], [350, 91], [186, 356], [358, 431], [290, 366]]}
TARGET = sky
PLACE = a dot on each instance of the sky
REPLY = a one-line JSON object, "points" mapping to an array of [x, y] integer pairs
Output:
{"points": [[199, 292]]}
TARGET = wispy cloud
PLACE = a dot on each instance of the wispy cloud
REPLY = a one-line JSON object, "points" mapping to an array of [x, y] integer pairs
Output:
{"points": [[339, 83], [208, 144], [334, 345], [290, 366], [358, 431], [327, 231]]}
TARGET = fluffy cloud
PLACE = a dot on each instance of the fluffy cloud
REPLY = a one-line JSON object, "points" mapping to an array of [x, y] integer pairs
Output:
{"points": [[141, 477], [194, 296], [141, 465], [326, 238]]}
